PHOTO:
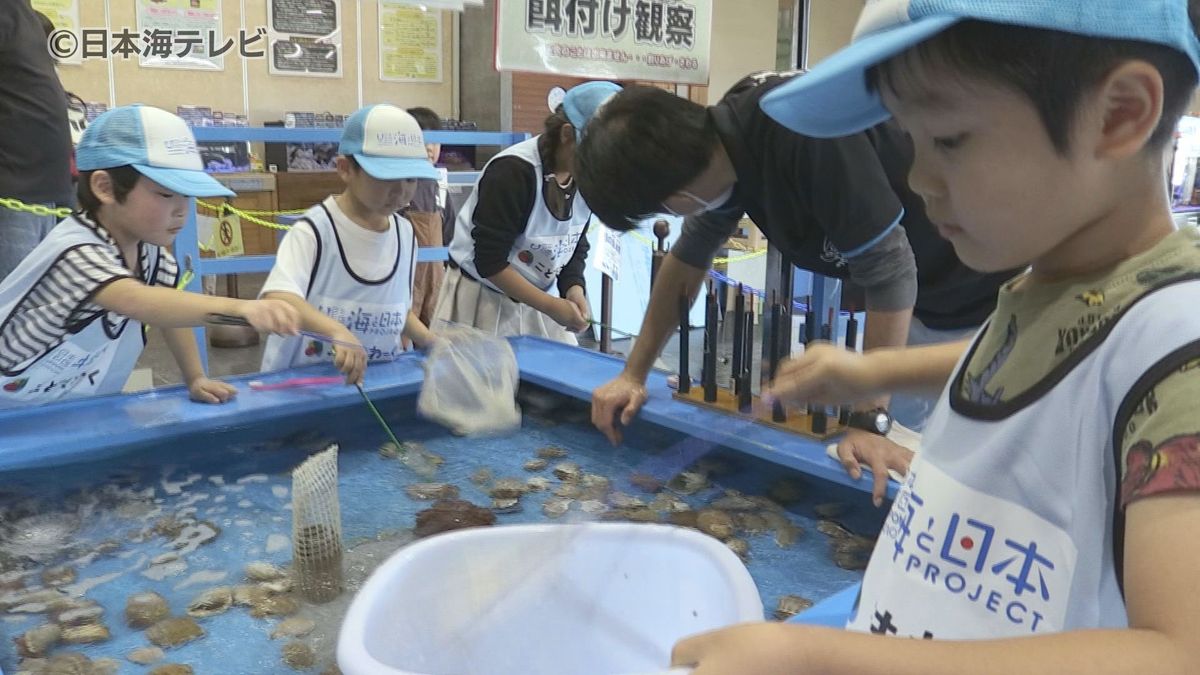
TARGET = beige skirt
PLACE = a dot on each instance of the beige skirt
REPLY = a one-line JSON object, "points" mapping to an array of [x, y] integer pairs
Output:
{"points": [[467, 302]]}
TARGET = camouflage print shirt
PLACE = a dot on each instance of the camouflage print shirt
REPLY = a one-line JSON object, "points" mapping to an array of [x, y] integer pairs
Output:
{"points": [[1037, 326]]}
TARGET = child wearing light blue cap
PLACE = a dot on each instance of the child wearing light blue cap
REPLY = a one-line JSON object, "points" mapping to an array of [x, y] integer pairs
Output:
{"points": [[1047, 523], [519, 248], [347, 265], [71, 314]]}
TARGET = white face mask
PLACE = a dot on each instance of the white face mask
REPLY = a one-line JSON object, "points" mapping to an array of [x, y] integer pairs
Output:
{"points": [[705, 205]]}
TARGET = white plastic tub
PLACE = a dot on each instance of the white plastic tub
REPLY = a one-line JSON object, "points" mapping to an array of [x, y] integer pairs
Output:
{"points": [[587, 599]]}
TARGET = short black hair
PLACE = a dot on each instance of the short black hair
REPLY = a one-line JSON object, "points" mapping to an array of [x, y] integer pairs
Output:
{"points": [[124, 179], [426, 118], [644, 145], [1053, 69]]}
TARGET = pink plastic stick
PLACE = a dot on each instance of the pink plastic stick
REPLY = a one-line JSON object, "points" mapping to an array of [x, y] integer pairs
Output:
{"points": [[297, 382]]}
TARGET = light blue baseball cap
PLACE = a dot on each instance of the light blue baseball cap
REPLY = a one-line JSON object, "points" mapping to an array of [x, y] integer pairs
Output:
{"points": [[833, 98], [582, 101], [158, 144], [387, 142]]}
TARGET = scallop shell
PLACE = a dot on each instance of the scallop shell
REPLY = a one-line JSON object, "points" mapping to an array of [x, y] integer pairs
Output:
{"points": [[507, 488], [715, 523], [568, 491], [86, 634], [211, 602], [538, 483], [645, 482], [688, 482], [298, 655], [536, 464], [567, 471], [740, 547], [833, 529], [264, 571], [431, 491], [552, 452], [482, 476], [791, 605], [144, 656], [297, 626], [275, 605], [145, 609], [67, 664], [620, 500], [593, 506], [555, 507], [786, 535], [79, 615], [35, 642], [58, 576], [734, 501], [174, 632], [284, 585], [247, 596], [506, 505]]}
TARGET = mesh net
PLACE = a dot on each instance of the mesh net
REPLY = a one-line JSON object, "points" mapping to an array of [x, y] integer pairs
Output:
{"points": [[317, 527], [471, 383]]}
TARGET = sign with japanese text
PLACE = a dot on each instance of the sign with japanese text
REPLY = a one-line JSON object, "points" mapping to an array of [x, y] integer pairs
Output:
{"points": [[410, 43], [607, 256], [174, 24], [656, 40], [305, 37]]}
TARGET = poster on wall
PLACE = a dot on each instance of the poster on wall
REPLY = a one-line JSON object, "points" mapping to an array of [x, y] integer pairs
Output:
{"points": [[181, 34], [656, 40], [64, 14], [410, 43], [305, 37]]}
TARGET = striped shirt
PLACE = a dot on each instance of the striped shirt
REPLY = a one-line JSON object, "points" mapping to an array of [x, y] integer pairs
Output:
{"points": [[62, 301]]}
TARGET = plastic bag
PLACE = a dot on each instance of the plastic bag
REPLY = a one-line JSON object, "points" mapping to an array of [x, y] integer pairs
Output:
{"points": [[471, 383]]}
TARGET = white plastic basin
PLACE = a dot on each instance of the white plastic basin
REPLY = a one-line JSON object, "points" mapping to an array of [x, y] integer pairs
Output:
{"points": [[585, 599]]}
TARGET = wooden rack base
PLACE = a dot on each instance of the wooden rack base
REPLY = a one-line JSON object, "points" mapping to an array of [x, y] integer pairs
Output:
{"points": [[798, 422]]}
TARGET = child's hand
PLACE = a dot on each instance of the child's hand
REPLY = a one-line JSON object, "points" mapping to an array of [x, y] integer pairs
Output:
{"points": [[824, 374], [863, 447], [204, 390], [578, 298], [567, 315], [271, 316], [747, 649], [352, 362]]}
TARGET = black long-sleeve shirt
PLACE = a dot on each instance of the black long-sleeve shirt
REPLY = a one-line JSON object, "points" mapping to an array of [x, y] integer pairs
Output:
{"points": [[506, 200]]}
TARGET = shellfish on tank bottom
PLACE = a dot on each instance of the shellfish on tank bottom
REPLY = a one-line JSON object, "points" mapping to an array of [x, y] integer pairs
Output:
{"points": [[294, 627], [86, 634], [264, 571], [174, 632], [211, 602], [144, 656], [145, 609], [298, 655]]}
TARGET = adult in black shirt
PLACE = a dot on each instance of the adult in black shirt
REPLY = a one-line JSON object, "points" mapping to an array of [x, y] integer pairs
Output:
{"points": [[838, 207], [35, 137]]}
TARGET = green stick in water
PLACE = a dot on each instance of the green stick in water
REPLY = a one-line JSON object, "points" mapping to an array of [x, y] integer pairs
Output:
{"points": [[382, 422]]}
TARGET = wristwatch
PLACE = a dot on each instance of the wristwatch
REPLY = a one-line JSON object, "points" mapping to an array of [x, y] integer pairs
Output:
{"points": [[877, 421]]}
